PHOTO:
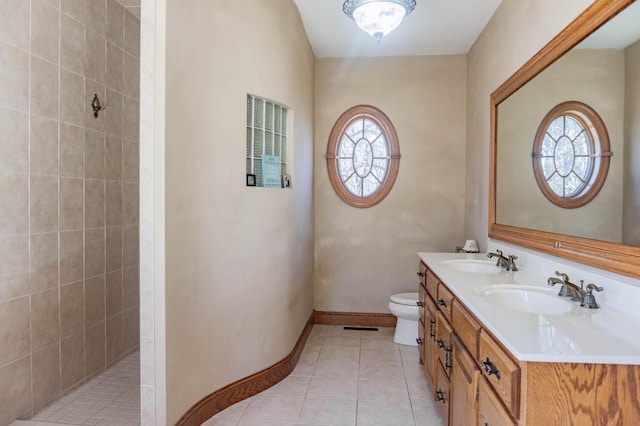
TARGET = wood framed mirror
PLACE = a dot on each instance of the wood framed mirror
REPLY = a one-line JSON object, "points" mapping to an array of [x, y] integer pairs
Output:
{"points": [[589, 242]]}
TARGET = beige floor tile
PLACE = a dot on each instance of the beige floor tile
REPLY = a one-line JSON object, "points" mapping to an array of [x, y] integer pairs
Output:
{"points": [[390, 390], [325, 388], [336, 369], [372, 413], [342, 340], [294, 386], [274, 408], [347, 354], [328, 412]]}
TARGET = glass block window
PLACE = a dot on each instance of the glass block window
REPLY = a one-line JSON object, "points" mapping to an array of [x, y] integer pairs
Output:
{"points": [[266, 135], [363, 156], [571, 154]]}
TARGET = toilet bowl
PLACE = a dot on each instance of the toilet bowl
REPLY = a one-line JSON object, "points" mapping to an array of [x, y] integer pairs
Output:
{"points": [[405, 307]]}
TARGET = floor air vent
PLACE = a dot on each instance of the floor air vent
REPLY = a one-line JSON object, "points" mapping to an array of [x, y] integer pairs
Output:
{"points": [[361, 328]]}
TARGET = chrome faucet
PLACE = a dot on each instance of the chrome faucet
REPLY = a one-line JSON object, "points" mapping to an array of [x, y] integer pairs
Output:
{"points": [[507, 262], [575, 293]]}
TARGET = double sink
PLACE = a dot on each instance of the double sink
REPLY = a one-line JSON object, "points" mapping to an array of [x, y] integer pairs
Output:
{"points": [[534, 299]]}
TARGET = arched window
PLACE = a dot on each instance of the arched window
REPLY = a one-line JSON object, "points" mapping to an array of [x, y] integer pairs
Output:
{"points": [[571, 154], [363, 156]]}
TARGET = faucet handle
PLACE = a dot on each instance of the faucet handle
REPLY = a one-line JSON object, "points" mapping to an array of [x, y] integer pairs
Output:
{"points": [[591, 287], [589, 300], [511, 264], [562, 275]]}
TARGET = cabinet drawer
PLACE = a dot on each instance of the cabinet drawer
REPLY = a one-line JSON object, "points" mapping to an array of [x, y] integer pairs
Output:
{"points": [[490, 409], [422, 273], [422, 299], [445, 301], [444, 334], [442, 394], [432, 284], [466, 328], [501, 371]]}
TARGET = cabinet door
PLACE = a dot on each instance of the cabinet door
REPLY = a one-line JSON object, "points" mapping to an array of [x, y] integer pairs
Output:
{"points": [[464, 386], [443, 342], [442, 395], [421, 341], [490, 410], [430, 344]]}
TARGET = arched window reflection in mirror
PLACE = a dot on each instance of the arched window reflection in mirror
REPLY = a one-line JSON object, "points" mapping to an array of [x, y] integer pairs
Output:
{"points": [[571, 154]]}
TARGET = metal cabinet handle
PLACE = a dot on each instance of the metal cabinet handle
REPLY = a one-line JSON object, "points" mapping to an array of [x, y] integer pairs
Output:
{"points": [[490, 368], [442, 303], [431, 324], [420, 341], [440, 396], [420, 304], [420, 274], [440, 343], [447, 359]]}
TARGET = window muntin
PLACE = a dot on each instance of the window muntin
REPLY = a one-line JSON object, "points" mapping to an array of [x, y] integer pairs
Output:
{"points": [[363, 156], [571, 154]]}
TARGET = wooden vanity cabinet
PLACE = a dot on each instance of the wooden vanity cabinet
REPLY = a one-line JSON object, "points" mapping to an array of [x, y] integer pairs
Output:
{"points": [[453, 340]]}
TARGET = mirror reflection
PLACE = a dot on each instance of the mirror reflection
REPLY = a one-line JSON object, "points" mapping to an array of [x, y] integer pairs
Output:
{"points": [[602, 72]]}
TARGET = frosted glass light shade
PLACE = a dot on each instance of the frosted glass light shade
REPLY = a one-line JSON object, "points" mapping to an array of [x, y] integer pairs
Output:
{"points": [[378, 17]]}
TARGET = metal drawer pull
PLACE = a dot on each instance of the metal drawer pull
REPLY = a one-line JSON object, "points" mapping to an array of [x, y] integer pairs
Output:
{"points": [[420, 274], [431, 324], [440, 396], [420, 304], [420, 341], [490, 368], [440, 343], [442, 303]]}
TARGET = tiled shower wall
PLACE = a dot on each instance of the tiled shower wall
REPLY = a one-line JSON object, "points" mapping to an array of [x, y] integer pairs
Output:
{"points": [[69, 287]]}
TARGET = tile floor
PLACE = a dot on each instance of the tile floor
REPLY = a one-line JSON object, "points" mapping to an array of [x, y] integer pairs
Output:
{"points": [[110, 399], [343, 378]]}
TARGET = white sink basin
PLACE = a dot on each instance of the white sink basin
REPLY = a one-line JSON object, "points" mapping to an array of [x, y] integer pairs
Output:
{"points": [[474, 265], [533, 299]]}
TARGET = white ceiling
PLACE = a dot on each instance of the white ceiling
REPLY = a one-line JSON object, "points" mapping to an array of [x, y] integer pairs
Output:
{"points": [[435, 27]]}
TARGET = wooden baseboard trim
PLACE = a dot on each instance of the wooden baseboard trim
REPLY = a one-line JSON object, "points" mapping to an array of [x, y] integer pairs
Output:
{"points": [[247, 387], [354, 319]]}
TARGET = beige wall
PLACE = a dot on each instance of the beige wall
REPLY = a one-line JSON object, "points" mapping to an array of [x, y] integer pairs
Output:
{"points": [[239, 260], [69, 188], [517, 30], [362, 256], [631, 230], [595, 77]]}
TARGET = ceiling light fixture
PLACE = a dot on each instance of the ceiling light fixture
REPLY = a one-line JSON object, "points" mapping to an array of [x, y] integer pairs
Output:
{"points": [[378, 17]]}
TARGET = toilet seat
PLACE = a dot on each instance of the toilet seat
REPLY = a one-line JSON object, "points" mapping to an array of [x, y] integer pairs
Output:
{"points": [[409, 299]]}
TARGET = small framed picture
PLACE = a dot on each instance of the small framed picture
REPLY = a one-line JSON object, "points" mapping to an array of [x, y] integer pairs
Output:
{"points": [[251, 180], [286, 181]]}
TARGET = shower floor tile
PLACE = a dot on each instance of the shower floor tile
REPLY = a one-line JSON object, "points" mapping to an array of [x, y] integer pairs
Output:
{"points": [[110, 399]]}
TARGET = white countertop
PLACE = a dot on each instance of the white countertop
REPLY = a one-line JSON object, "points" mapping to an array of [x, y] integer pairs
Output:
{"points": [[603, 336]]}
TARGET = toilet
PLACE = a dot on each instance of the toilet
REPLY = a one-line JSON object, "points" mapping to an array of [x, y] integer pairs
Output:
{"points": [[405, 307]]}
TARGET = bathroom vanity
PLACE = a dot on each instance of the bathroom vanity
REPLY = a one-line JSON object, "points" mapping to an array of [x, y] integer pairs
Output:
{"points": [[501, 348]]}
